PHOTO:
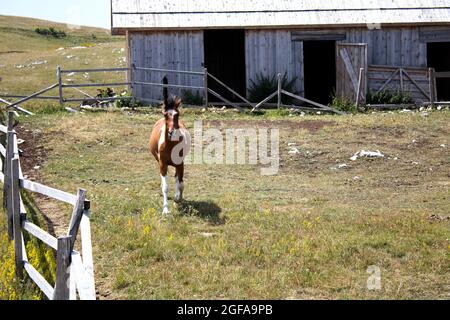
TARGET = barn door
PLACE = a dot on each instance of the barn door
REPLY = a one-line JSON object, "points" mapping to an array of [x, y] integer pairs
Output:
{"points": [[351, 57]]}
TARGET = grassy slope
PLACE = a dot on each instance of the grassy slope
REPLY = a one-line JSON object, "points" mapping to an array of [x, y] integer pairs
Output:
{"points": [[21, 46]]}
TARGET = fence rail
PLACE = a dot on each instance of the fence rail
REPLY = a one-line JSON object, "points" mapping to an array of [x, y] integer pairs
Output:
{"points": [[74, 272], [421, 80]]}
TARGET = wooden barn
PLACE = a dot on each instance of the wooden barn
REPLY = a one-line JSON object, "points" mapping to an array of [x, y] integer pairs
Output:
{"points": [[327, 46]]}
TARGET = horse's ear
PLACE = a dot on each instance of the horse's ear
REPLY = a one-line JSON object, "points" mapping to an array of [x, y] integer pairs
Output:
{"points": [[177, 104]]}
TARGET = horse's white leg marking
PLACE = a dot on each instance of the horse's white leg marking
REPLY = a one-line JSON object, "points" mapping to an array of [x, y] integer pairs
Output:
{"points": [[165, 191], [179, 190]]}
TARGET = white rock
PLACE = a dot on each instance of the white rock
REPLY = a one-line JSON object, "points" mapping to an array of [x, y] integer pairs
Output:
{"points": [[368, 154], [294, 150]]}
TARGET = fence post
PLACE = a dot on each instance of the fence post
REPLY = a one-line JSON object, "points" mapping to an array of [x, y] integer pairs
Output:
{"points": [[132, 75], [62, 286], [205, 84], [279, 90], [7, 194], [17, 219], [358, 91], [77, 214], [432, 76], [58, 73]]}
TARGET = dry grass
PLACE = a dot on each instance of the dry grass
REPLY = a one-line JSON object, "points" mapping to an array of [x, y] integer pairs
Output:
{"points": [[309, 232]]}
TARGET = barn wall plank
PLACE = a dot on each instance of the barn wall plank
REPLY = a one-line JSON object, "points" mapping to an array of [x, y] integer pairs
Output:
{"points": [[269, 52], [166, 50]]}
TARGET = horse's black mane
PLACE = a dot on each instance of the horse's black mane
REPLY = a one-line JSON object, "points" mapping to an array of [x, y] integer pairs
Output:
{"points": [[169, 101]]}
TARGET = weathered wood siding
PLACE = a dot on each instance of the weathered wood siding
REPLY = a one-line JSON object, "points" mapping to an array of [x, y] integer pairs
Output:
{"points": [[182, 50], [270, 52], [351, 58], [177, 14], [391, 46]]}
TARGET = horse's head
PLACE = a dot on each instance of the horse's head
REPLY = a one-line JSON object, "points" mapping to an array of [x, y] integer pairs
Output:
{"points": [[172, 114]]}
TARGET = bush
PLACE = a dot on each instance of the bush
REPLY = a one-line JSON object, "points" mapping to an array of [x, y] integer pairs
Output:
{"points": [[51, 32], [128, 103], [192, 99], [264, 86], [389, 97], [344, 104]]}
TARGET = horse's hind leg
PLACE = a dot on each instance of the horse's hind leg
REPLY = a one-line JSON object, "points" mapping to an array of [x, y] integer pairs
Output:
{"points": [[165, 188], [179, 183]]}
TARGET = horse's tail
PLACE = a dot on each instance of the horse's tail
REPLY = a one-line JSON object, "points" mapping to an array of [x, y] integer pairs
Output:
{"points": [[165, 89]]}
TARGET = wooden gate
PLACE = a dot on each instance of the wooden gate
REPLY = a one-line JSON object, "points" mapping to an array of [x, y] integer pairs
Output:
{"points": [[351, 69]]}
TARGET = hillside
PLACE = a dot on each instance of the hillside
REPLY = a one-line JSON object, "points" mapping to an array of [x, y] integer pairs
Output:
{"points": [[28, 60]]}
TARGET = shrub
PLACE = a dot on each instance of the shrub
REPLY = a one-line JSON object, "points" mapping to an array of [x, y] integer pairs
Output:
{"points": [[344, 104], [105, 93], [128, 103], [389, 97], [51, 32], [264, 86]]}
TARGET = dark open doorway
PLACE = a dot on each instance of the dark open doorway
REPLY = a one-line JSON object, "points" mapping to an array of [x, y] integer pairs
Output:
{"points": [[319, 70], [225, 59], [439, 59]]}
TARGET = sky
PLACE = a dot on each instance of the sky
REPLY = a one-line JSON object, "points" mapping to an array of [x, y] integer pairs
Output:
{"points": [[95, 13]]}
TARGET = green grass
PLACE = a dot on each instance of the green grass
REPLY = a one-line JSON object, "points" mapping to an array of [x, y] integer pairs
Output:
{"points": [[22, 46]]}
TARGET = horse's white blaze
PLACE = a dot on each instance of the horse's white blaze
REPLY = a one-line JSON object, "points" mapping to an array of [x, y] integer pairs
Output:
{"points": [[165, 191]]}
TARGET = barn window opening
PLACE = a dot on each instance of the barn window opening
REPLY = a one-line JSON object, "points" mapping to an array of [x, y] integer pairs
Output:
{"points": [[439, 59], [225, 59], [319, 70]]}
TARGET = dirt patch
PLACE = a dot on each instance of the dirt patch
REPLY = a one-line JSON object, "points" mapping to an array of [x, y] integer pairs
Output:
{"points": [[309, 125], [33, 154]]}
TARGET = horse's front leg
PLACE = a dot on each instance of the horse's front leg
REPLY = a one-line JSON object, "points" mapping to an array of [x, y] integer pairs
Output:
{"points": [[179, 183], [165, 188]]}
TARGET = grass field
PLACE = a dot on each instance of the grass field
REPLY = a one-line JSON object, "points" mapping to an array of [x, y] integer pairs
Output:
{"points": [[309, 232]]}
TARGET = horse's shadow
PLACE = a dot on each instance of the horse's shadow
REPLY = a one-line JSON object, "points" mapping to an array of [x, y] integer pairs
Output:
{"points": [[206, 210]]}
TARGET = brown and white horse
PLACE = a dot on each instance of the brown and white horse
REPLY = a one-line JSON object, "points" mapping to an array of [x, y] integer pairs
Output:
{"points": [[169, 144]]}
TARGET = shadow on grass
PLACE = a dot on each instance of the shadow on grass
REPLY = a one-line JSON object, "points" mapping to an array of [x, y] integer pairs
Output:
{"points": [[206, 210], [34, 214]]}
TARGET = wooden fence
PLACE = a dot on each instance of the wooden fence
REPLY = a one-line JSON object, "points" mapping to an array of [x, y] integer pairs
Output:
{"points": [[74, 270], [419, 82]]}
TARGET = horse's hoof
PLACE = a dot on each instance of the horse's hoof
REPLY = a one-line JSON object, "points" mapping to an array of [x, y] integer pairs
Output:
{"points": [[166, 211], [177, 199]]}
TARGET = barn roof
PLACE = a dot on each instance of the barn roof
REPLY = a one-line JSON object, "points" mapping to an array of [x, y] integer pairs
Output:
{"points": [[196, 14]]}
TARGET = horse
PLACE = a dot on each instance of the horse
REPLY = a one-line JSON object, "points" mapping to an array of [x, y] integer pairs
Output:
{"points": [[169, 144]]}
